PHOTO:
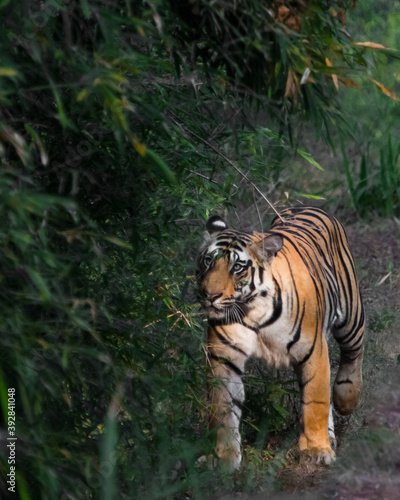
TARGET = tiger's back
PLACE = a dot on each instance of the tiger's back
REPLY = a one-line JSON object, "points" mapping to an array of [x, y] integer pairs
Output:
{"points": [[320, 241]]}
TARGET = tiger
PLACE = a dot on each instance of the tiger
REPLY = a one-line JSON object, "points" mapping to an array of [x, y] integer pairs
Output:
{"points": [[276, 296]]}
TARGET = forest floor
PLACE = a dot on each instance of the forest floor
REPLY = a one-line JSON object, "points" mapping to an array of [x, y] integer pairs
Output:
{"points": [[368, 452]]}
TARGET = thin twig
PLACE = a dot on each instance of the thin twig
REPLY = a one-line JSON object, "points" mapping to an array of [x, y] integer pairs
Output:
{"points": [[243, 178], [258, 211], [228, 160], [201, 175]]}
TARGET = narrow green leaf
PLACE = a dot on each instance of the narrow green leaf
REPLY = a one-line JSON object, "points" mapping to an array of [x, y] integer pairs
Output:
{"points": [[308, 157], [108, 456], [163, 168], [22, 488], [8, 71], [251, 425], [282, 411], [362, 184], [3, 395], [310, 196], [40, 283], [118, 242], [85, 8]]}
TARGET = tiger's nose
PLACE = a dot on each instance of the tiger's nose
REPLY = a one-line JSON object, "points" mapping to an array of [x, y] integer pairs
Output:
{"points": [[212, 297]]}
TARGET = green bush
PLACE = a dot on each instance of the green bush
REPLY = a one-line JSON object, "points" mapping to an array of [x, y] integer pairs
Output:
{"points": [[374, 173]]}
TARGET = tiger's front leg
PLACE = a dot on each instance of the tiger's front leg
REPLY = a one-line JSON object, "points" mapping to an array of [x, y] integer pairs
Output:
{"points": [[226, 395], [314, 380]]}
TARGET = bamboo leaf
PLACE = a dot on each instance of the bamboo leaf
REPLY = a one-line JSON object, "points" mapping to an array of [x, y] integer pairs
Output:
{"points": [[371, 45], [386, 91], [163, 168], [334, 77], [308, 157], [40, 283], [350, 83], [282, 411], [109, 441], [140, 148], [8, 72], [310, 196]]}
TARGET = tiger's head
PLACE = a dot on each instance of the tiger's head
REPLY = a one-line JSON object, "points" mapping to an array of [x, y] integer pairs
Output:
{"points": [[233, 270]]}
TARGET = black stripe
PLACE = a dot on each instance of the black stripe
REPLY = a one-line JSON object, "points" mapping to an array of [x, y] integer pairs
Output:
{"points": [[339, 326], [316, 216], [308, 264], [242, 242], [348, 338], [236, 415], [303, 384], [345, 244], [277, 306], [348, 295], [237, 403], [254, 329], [298, 331], [307, 356], [250, 298], [350, 355], [227, 363], [354, 330], [353, 349], [316, 245], [316, 227], [222, 243], [349, 303], [349, 359], [226, 234], [226, 342], [347, 381], [329, 230], [252, 285], [295, 290], [360, 341], [260, 273], [213, 322]]}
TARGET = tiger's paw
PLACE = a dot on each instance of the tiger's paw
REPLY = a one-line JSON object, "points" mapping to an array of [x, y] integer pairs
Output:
{"points": [[317, 456]]}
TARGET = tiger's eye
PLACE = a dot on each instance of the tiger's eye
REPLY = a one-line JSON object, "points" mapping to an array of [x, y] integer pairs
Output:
{"points": [[207, 260], [237, 267]]}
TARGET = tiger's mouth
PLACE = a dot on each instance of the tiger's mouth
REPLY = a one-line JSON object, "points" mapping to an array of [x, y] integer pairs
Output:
{"points": [[230, 313], [212, 310]]}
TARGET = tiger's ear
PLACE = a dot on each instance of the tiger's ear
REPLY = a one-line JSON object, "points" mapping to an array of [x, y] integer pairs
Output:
{"points": [[215, 224], [269, 246]]}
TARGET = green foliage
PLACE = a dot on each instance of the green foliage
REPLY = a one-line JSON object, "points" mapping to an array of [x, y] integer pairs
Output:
{"points": [[118, 127], [378, 187], [374, 182]]}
